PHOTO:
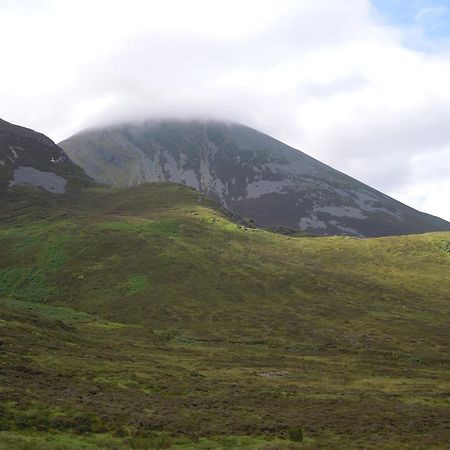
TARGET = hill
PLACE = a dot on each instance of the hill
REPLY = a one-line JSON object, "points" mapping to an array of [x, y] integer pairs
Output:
{"points": [[145, 318], [249, 173], [28, 158]]}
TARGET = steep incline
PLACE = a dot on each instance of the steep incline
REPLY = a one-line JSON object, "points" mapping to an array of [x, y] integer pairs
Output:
{"points": [[250, 173], [32, 159]]}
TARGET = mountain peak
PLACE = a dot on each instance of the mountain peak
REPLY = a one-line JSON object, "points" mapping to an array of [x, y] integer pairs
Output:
{"points": [[248, 172]]}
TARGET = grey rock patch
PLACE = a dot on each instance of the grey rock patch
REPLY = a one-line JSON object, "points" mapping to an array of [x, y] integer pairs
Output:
{"points": [[59, 159], [341, 211], [189, 178], [350, 231], [258, 188], [15, 155], [346, 230], [364, 197], [38, 178], [311, 223], [275, 373]]}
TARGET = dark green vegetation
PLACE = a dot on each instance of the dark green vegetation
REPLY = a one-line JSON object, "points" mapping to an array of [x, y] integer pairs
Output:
{"points": [[144, 318]]}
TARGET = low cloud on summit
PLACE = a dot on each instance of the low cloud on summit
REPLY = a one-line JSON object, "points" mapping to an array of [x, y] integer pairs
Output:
{"points": [[349, 83]]}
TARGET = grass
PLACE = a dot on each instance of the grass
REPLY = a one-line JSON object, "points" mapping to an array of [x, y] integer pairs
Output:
{"points": [[143, 317], [40, 251], [51, 312], [136, 283], [162, 227]]}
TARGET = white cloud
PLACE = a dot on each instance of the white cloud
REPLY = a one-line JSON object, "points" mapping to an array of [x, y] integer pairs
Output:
{"points": [[431, 14], [325, 76]]}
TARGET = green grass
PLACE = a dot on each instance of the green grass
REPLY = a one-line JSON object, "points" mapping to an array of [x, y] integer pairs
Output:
{"points": [[49, 311], [136, 283], [39, 249], [168, 227], [130, 317]]}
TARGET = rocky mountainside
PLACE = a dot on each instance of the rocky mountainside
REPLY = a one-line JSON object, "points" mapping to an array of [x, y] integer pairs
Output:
{"points": [[248, 172], [32, 159]]}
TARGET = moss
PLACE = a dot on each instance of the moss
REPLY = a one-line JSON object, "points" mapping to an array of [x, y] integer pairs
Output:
{"points": [[136, 283], [25, 284]]}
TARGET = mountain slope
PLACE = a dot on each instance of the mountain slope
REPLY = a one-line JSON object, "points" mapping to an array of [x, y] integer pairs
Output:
{"points": [[127, 313], [251, 174], [32, 159], [146, 318]]}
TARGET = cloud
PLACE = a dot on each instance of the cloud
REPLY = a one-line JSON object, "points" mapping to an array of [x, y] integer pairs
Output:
{"points": [[331, 78], [432, 15]]}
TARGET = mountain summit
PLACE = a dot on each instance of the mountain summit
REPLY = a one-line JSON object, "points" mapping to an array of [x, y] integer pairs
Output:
{"points": [[248, 172]]}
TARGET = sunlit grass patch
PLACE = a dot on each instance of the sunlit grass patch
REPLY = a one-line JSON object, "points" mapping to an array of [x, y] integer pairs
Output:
{"points": [[163, 227]]}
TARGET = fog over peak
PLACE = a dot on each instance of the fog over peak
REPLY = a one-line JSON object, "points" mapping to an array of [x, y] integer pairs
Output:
{"points": [[339, 80]]}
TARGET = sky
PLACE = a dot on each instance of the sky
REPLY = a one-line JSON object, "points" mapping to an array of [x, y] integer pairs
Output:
{"points": [[362, 85]]}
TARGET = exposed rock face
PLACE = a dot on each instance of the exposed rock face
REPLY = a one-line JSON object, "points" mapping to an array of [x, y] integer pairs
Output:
{"points": [[38, 178], [32, 159], [250, 173]]}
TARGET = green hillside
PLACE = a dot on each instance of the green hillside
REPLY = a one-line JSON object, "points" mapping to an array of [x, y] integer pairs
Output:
{"points": [[146, 318]]}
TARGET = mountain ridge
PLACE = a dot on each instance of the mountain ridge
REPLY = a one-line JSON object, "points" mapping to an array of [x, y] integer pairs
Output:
{"points": [[29, 158]]}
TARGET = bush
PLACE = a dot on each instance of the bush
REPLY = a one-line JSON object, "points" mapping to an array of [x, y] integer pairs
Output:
{"points": [[295, 434], [145, 443]]}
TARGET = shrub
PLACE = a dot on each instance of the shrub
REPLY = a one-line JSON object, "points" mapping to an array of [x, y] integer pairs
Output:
{"points": [[145, 443], [295, 434]]}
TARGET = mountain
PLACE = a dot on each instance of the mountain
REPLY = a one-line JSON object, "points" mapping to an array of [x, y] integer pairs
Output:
{"points": [[144, 318], [249, 173], [28, 158]]}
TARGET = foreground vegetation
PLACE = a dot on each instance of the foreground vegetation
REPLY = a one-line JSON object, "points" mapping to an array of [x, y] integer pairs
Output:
{"points": [[146, 318]]}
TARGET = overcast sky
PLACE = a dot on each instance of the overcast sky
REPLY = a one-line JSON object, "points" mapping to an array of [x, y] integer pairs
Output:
{"points": [[361, 85]]}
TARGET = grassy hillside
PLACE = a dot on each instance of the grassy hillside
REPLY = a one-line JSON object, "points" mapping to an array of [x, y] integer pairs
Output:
{"points": [[145, 318]]}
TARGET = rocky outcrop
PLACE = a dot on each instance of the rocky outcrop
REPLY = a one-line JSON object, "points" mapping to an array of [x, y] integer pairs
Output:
{"points": [[32, 159]]}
